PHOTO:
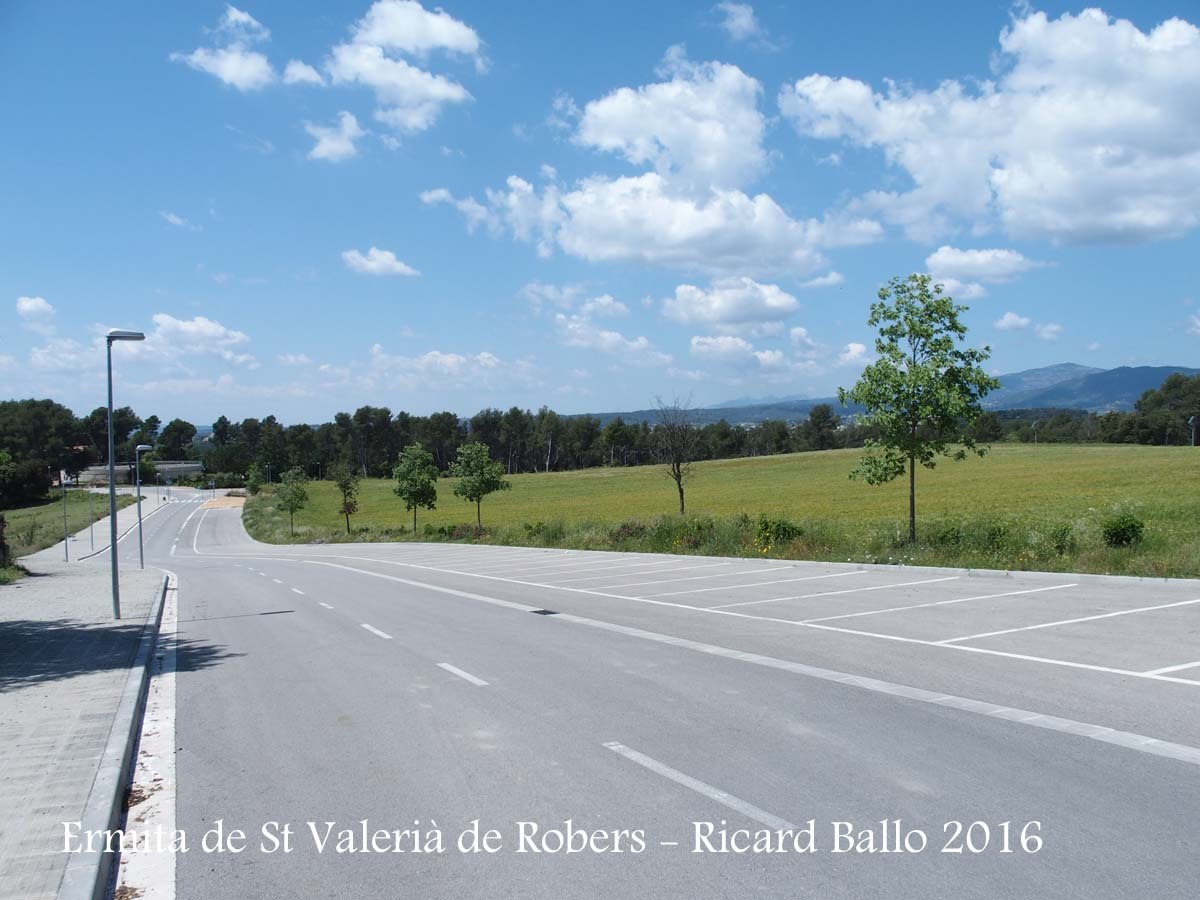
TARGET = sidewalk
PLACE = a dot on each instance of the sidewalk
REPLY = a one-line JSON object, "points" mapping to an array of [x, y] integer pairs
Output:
{"points": [[81, 543], [64, 667]]}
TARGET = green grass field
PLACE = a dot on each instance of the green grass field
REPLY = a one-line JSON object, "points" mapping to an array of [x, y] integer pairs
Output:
{"points": [[1021, 507], [33, 528]]}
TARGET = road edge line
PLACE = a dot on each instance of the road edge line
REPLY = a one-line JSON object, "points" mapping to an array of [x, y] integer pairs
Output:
{"points": [[87, 874]]}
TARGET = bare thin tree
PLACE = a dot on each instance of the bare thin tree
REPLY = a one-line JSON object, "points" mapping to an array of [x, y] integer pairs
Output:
{"points": [[675, 440]]}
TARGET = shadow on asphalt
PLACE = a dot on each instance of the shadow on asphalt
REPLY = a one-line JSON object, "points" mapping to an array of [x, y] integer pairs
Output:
{"points": [[36, 651]]}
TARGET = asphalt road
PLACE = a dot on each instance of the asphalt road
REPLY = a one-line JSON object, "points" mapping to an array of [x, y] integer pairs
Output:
{"points": [[426, 684]]}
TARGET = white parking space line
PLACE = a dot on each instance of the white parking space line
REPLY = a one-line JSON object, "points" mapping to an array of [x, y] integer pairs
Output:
{"points": [[862, 590], [298, 591], [875, 612], [712, 610], [326, 605], [1111, 615], [263, 574], [375, 631], [749, 810], [608, 573], [734, 587], [465, 676], [1179, 668], [277, 581], [701, 577], [538, 567]]}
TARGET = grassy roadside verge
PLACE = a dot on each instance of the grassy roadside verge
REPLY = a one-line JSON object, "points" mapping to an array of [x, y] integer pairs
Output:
{"points": [[34, 528], [1021, 508]]}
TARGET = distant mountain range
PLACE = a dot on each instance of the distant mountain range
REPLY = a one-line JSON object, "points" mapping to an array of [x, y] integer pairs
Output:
{"points": [[1061, 386]]}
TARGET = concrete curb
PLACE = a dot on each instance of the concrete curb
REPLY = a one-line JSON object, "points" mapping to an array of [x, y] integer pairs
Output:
{"points": [[87, 874]]}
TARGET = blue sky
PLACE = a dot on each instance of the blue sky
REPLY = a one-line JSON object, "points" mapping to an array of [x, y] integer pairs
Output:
{"points": [[310, 207]]}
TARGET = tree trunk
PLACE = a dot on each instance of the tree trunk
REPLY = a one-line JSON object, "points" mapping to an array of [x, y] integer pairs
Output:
{"points": [[347, 523], [292, 517], [912, 499], [679, 486], [414, 520], [478, 516]]}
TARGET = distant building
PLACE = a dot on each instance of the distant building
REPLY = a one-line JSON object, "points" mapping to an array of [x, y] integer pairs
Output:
{"points": [[170, 470]]}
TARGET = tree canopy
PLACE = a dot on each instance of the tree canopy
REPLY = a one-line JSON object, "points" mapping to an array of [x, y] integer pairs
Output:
{"points": [[478, 475], [924, 389]]}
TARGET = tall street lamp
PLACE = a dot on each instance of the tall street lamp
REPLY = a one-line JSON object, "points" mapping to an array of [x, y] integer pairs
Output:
{"points": [[115, 335], [137, 465]]}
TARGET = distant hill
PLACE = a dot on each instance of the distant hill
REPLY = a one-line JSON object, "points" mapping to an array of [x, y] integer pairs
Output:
{"points": [[1114, 389], [1017, 387], [1061, 386]]}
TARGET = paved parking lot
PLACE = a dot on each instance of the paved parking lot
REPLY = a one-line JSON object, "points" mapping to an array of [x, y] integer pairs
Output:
{"points": [[1135, 627]]}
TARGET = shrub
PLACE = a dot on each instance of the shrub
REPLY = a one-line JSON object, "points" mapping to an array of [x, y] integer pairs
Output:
{"points": [[772, 532], [1062, 539], [629, 530], [534, 529], [4, 557], [947, 534], [1123, 530]]}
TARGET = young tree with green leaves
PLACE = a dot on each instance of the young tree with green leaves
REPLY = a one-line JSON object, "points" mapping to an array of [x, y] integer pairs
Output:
{"points": [[416, 479], [292, 495], [346, 480], [478, 475], [254, 480], [924, 389]]}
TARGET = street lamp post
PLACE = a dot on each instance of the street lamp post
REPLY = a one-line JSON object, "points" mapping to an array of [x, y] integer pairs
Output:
{"points": [[137, 465], [62, 480], [157, 488], [115, 335]]}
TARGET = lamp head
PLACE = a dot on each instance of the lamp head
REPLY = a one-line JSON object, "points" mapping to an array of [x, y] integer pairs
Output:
{"points": [[142, 448], [118, 334]]}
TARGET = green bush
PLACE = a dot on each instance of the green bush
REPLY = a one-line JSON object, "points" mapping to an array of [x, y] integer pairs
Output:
{"points": [[947, 534], [629, 530], [534, 529], [1123, 530], [1062, 539], [772, 532]]}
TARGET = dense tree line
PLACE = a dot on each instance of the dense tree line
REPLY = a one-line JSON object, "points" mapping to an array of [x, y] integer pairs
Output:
{"points": [[37, 436], [372, 438]]}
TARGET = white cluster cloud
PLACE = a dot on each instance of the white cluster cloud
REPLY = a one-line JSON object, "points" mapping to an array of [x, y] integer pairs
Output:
{"points": [[447, 371], [854, 354], [34, 308], [1194, 326], [540, 294], [197, 335], [1011, 321], [730, 304], [376, 262], [335, 143], [1048, 331], [702, 128], [739, 22], [297, 72], [408, 97], [231, 60], [604, 307], [1089, 133], [701, 132], [641, 219], [738, 351], [963, 273]]}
